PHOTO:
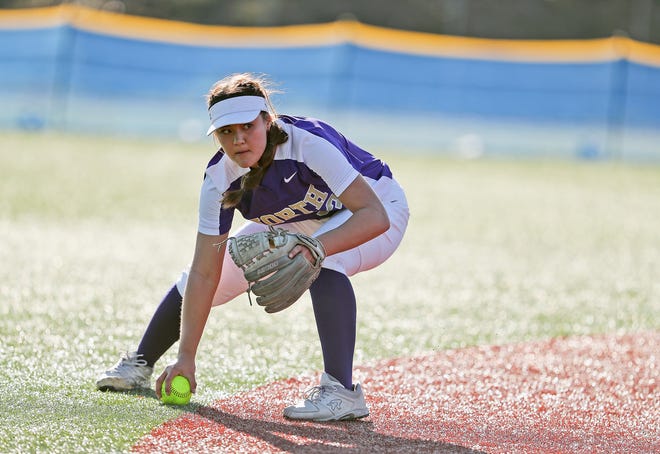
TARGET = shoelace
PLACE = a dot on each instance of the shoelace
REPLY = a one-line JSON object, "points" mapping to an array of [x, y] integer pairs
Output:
{"points": [[317, 393], [132, 359]]}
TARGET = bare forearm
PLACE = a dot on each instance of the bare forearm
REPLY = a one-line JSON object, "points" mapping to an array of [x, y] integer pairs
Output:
{"points": [[197, 303], [364, 225], [202, 283]]}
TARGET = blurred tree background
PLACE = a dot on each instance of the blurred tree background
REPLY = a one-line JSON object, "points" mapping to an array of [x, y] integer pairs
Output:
{"points": [[514, 19]]}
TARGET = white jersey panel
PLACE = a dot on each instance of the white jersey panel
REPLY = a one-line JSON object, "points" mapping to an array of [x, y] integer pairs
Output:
{"points": [[209, 208]]}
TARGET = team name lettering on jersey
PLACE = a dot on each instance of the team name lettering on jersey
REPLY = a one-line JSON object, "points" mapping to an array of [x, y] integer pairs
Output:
{"points": [[315, 201]]}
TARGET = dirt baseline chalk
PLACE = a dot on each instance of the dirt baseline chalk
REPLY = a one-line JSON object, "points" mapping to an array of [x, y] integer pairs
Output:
{"points": [[568, 395]]}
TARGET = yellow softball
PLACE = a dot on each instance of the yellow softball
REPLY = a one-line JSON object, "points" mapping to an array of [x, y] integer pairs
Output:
{"points": [[180, 392]]}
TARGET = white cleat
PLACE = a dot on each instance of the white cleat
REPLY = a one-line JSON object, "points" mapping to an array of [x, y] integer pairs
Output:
{"points": [[330, 402], [131, 372]]}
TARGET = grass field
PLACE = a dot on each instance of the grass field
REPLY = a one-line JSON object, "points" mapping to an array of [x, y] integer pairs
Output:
{"points": [[93, 232]]}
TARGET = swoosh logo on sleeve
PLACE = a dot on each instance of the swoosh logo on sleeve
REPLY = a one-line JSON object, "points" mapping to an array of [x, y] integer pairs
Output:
{"points": [[286, 180]]}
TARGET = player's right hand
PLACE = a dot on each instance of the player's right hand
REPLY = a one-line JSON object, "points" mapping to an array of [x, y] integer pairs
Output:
{"points": [[180, 367]]}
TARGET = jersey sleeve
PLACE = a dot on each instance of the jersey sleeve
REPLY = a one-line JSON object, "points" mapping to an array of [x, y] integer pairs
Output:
{"points": [[213, 220], [329, 163]]}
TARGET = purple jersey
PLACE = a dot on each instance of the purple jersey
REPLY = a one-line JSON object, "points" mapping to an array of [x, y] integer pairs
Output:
{"points": [[310, 170]]}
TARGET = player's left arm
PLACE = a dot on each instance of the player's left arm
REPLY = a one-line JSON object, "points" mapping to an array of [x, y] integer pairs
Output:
{"points": [[369, 219]]}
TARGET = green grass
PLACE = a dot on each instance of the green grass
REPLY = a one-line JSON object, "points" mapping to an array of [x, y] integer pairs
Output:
{"points": [[93, 232]]}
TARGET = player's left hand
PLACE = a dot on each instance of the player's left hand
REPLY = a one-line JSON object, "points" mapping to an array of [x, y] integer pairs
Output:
{"points": [[305, 251], [279, 265]]}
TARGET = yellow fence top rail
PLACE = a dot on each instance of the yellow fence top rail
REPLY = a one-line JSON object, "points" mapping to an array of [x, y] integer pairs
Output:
{"points": [[335, 33]]}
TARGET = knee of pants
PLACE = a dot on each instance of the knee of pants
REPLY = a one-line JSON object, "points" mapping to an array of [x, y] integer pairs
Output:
{"points": [[232, 283]]}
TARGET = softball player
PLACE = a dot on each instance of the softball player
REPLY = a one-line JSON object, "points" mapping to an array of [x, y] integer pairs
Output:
{"points": [[300, 174]]}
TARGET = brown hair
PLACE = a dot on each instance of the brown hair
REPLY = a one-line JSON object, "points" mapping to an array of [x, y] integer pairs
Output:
{"points": [[247, 84]]}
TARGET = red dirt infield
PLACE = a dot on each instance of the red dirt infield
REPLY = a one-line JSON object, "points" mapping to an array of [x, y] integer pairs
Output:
{"points": [[583, 394]]}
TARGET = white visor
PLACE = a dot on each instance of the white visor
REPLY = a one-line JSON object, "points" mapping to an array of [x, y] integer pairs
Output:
{"points": [[234, 111]]}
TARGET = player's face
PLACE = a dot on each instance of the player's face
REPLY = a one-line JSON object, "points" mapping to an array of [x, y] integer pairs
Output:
{"points": [[244, 143]]}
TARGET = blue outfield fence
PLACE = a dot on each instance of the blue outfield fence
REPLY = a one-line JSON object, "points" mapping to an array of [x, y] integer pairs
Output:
{"points": [[73, 69]]}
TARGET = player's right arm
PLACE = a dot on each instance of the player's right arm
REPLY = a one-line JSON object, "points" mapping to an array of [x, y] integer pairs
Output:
{"points": [[203, 279]]}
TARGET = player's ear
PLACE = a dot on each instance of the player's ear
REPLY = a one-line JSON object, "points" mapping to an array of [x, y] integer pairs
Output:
{"points": [[268, 119]]}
